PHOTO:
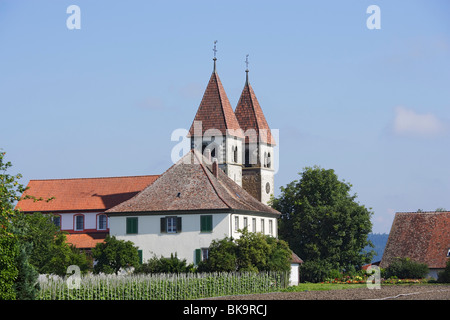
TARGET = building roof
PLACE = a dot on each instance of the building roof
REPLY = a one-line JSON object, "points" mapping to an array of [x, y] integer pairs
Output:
{"points": [[86, 240], [189, 185], [85, 194], [296, 259], [421, 236], [250, 116], [215, 111]]}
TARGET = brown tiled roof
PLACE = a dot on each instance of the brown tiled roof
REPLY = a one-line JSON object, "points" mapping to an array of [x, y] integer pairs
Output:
{"points": [[86, 240], [189, 185], [296, 259], [421, 236], [250, 116], [215, 111], [96, 194]]}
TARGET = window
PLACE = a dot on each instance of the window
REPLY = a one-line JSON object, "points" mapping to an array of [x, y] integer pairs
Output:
{"points": [[206, 224], [269, 161], [201, 254], [235, 154], [132, 225], [245, 222], [262, 226], [236, 223], [140, 256], [271, 227], [205, 254], [171, 224], [79, 222], [254, 224], [57, 221], [101, 221]]}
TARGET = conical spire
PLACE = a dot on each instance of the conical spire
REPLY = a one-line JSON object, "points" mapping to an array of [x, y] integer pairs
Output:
{"points": [[250, 116], [215, 111]]}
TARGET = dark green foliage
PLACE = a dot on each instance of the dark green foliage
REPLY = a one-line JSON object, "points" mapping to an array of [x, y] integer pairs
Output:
{"points": [[323, 223], [165, 265], [114, 254], [253, 252], [444, 276], [405, 268]]}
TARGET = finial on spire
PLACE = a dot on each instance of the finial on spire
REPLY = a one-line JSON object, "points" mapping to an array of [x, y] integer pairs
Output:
{"points": [[246, 70], [215, 50]]}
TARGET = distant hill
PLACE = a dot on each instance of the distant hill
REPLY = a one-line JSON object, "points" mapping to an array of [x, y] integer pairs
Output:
{"points": [[379, 240]]}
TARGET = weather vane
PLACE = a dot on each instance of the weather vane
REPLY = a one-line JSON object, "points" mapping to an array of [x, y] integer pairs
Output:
{"points": [[215, 50], [246, 61]]}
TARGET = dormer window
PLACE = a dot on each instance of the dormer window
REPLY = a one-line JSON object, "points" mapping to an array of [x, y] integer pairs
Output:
{"points": [[448, 253]]}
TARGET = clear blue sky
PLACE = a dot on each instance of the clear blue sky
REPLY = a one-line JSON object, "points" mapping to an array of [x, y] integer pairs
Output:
{"points": [[374, 105]]}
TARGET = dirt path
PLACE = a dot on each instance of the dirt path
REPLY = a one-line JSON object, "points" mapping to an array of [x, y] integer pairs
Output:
{"points": [[391, 292]]}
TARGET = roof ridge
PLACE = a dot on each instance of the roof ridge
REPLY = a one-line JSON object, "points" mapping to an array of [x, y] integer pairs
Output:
{"points": [[114, 177]]}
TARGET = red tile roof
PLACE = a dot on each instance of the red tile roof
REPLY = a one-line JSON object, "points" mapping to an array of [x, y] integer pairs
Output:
{"points": [[85, 240], [86, 194], [421, 236], [215, 111], [250, 116], [189, 185]]}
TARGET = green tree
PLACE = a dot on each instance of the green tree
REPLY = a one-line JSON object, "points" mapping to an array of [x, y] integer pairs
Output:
{"points": [[51, 253], [251, 252], [323, 223], [114, 254], [10, 250]]}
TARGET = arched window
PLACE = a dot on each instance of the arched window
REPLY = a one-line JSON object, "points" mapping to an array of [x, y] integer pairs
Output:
{"points": [[269, 160], [235, 154], [265, 160]]}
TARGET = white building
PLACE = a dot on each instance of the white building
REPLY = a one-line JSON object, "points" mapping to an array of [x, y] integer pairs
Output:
{"points": [[188, 206]]}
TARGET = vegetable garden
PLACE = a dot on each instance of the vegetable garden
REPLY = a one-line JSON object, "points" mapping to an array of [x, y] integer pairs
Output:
{"points": [[183, 286]]}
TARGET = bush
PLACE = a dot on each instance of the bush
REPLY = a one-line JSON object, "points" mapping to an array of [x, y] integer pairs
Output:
{"points": [[405, 268], [444, 276], [315, 271], [165, 265]]}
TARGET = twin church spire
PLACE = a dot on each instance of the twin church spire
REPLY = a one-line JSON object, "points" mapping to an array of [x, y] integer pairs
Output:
{"points": [[246, 148]]}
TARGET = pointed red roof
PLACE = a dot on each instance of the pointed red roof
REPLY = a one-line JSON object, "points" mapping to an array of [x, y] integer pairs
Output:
{"points": [[215, 111], [250, 116]]}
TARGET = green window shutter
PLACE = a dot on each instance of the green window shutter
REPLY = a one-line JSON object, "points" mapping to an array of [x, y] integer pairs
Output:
{"points": [[198, 255], [132, 225], [206, 223], [179, 224], [163, 225], [140, 256]]}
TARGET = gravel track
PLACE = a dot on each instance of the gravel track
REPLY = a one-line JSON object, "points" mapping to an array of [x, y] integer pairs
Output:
{"points": [[390, 292]]}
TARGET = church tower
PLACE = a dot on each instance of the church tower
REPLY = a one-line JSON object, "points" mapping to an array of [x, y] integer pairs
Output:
{"points": [[258, 155], [216, 131]]}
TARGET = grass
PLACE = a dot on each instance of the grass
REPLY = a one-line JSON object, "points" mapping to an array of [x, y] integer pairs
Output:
{"points": [[322, 287]]}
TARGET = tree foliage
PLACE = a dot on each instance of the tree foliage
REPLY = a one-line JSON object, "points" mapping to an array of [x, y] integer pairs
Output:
{"points": [[114, 254], [165, 265], [250, 252], [323, 223]]}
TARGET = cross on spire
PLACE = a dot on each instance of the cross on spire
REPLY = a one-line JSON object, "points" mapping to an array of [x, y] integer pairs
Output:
{"points": [[215, 50], [246, 70]]}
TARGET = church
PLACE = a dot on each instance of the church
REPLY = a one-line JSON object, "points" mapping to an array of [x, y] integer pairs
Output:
{"points": [[223, 184]]}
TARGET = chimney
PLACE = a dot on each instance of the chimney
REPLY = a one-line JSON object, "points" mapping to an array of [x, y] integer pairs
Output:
{"points": [[215, 168], [207, 154]]}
